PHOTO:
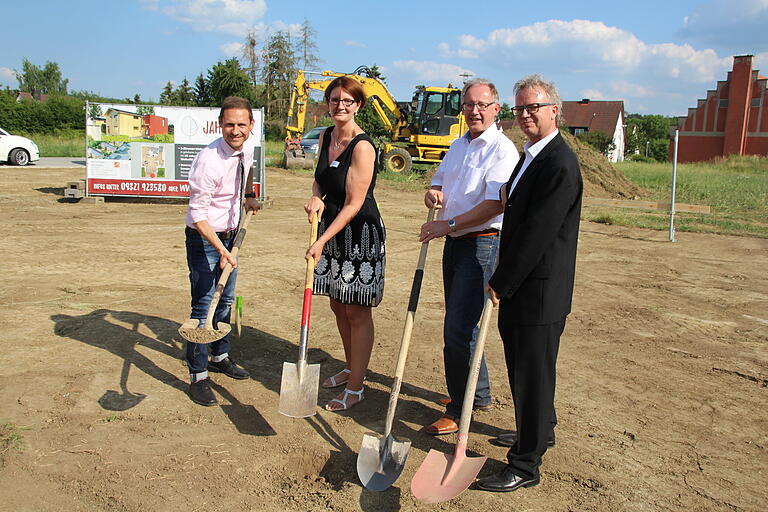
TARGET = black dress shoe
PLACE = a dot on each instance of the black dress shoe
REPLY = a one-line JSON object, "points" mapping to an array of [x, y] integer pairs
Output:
{"points": [[228, 367], [510, 438], [200, 393], [506, 481]]}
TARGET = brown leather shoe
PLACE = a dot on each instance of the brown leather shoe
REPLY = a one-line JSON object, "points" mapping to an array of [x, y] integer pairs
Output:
{"points": [[477, 407], [444, 425]]}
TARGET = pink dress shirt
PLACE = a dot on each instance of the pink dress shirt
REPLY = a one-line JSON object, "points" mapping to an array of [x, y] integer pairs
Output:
{"points": [[215, 185]]}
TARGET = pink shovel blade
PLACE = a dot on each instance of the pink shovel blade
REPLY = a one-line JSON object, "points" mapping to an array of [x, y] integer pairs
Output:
{"points": [[442, 477]]}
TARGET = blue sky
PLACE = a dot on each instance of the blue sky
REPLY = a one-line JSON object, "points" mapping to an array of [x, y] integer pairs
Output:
{"points": [[657, 56]]}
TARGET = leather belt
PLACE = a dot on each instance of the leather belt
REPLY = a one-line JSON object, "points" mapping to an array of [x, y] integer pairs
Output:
{"points": [[226, 235], [223, 235], [476, 234]]}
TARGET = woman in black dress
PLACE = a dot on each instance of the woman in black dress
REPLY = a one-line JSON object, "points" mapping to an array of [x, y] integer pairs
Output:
{"points": [[349, 251]]}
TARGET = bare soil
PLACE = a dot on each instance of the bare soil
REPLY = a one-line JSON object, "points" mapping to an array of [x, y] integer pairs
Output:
{"points": [[661, 393]]}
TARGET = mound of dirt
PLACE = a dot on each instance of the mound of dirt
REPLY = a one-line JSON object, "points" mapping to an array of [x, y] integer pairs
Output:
{"points": [[601, 179]]}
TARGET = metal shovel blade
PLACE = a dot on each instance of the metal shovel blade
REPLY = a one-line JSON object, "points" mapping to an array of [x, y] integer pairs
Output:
{"points": [[380, 461], [442, 477], [298, 393], [190, 331]]}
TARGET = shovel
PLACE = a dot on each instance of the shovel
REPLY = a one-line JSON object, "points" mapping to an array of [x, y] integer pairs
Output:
{"points": [[381, 459], [442, 477], [190, 329], [300, 381]]}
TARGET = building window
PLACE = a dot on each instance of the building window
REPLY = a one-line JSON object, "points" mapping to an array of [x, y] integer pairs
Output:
{"points": [[757, 102], [577, 131], [723, 104]]}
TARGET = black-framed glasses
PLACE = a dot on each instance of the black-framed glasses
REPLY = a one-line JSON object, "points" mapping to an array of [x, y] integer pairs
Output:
{"points": [[532, 108], [346, 102], [469, 107]]}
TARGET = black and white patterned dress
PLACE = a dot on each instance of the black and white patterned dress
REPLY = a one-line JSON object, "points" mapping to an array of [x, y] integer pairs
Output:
{"points": [[351, 269]]}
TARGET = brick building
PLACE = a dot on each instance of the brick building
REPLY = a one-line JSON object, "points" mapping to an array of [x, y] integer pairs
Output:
{"points": [[732, 120]]}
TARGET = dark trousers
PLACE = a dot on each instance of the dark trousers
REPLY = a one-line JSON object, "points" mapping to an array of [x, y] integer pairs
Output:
{"points": [[531, 355], [467, 266]]}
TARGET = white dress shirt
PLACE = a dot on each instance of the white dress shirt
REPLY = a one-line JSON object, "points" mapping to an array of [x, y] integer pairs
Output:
{"points": [[531, 150], [473, 171]]}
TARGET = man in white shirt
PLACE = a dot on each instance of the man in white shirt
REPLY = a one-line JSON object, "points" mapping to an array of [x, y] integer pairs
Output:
{"points": [[466, 189]]}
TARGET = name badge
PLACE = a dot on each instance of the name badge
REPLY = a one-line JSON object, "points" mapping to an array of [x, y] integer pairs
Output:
{"points": [[335, 163]]}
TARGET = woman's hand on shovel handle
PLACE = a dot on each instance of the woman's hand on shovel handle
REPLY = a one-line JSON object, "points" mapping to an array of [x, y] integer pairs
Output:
{"points": [[315, 251], [315, 204]]}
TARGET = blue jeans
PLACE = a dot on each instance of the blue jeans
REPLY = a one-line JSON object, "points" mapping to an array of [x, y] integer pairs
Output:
{"points": [[204, 272], [467, 266]]}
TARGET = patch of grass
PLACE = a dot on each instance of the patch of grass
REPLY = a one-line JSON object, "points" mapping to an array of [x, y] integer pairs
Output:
{"points": [[69, 143], [736, 189], [11, 438]]}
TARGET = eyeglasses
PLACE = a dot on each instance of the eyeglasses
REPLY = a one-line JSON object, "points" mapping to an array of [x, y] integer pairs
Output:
{"points": [[346, 102], [469, 107], [531, 108]]}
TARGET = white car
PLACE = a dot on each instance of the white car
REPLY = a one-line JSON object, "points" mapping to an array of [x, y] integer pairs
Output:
{"points": [[17, 150]]}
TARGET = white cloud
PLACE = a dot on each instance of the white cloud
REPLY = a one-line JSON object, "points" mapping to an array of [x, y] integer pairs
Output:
{"points": [[7, 76], [356, 44], [432, 71], [232, 49], [732, 26], [584, 55], [593, 94], [228, 16]]}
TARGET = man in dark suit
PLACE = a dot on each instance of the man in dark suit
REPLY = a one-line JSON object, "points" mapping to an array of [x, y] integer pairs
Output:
{"points": [[533, 281]]}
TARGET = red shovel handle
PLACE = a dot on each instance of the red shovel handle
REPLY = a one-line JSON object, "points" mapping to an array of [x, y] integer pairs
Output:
{"points": [[307, 307]]}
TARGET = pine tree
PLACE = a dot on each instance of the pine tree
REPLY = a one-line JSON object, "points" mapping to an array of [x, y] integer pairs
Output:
{"points": [[251, 56], [277, 74], [307, 47], [201, 92], [184, 95], [166, 97]]}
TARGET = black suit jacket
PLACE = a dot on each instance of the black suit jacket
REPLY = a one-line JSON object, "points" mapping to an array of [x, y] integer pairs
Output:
{"points": [[537, 255]]}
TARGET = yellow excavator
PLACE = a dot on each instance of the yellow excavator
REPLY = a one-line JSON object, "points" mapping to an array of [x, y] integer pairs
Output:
{"points": [[421, 130]]}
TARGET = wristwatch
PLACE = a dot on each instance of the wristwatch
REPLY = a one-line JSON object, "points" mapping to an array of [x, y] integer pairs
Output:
{"points": [[452, 225], [250, 195]]}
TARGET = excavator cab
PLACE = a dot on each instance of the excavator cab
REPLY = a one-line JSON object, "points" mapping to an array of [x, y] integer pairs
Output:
{"points": [[434, 110]]}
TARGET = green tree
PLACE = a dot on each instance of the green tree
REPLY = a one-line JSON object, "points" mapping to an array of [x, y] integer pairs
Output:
{"points": [[307, 47], [601, 141], [201, 92], [166, 97], [94, 111], [145, 110], [37, 81], [277, 74], [184, 95], [505, 112], [374, 72], [648, 135], [228, 79]]}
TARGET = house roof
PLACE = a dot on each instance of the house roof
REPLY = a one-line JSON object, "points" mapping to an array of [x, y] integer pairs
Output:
{"points": [[123, 112], [601, 116]]}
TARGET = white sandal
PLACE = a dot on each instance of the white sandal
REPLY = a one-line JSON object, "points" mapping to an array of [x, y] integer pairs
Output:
{"points": [[335, 379], [343, 401]]}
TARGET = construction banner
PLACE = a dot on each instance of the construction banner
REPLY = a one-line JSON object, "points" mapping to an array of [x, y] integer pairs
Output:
{"points": [[147, 150]]}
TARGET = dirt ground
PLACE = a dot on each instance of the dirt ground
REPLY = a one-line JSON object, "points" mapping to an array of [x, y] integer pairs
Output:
{"points": [[661, 393]]}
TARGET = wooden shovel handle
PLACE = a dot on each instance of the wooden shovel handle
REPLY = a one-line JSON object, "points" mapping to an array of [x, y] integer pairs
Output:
{"points": [[227, 270]]}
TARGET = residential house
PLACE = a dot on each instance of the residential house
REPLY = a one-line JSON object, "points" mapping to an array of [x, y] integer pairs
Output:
{"points": [[154, 125], [598, 116], [122, 122]]}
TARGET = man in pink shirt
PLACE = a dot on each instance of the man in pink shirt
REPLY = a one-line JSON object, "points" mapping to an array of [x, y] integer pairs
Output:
{"points": [[217, 185]]}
